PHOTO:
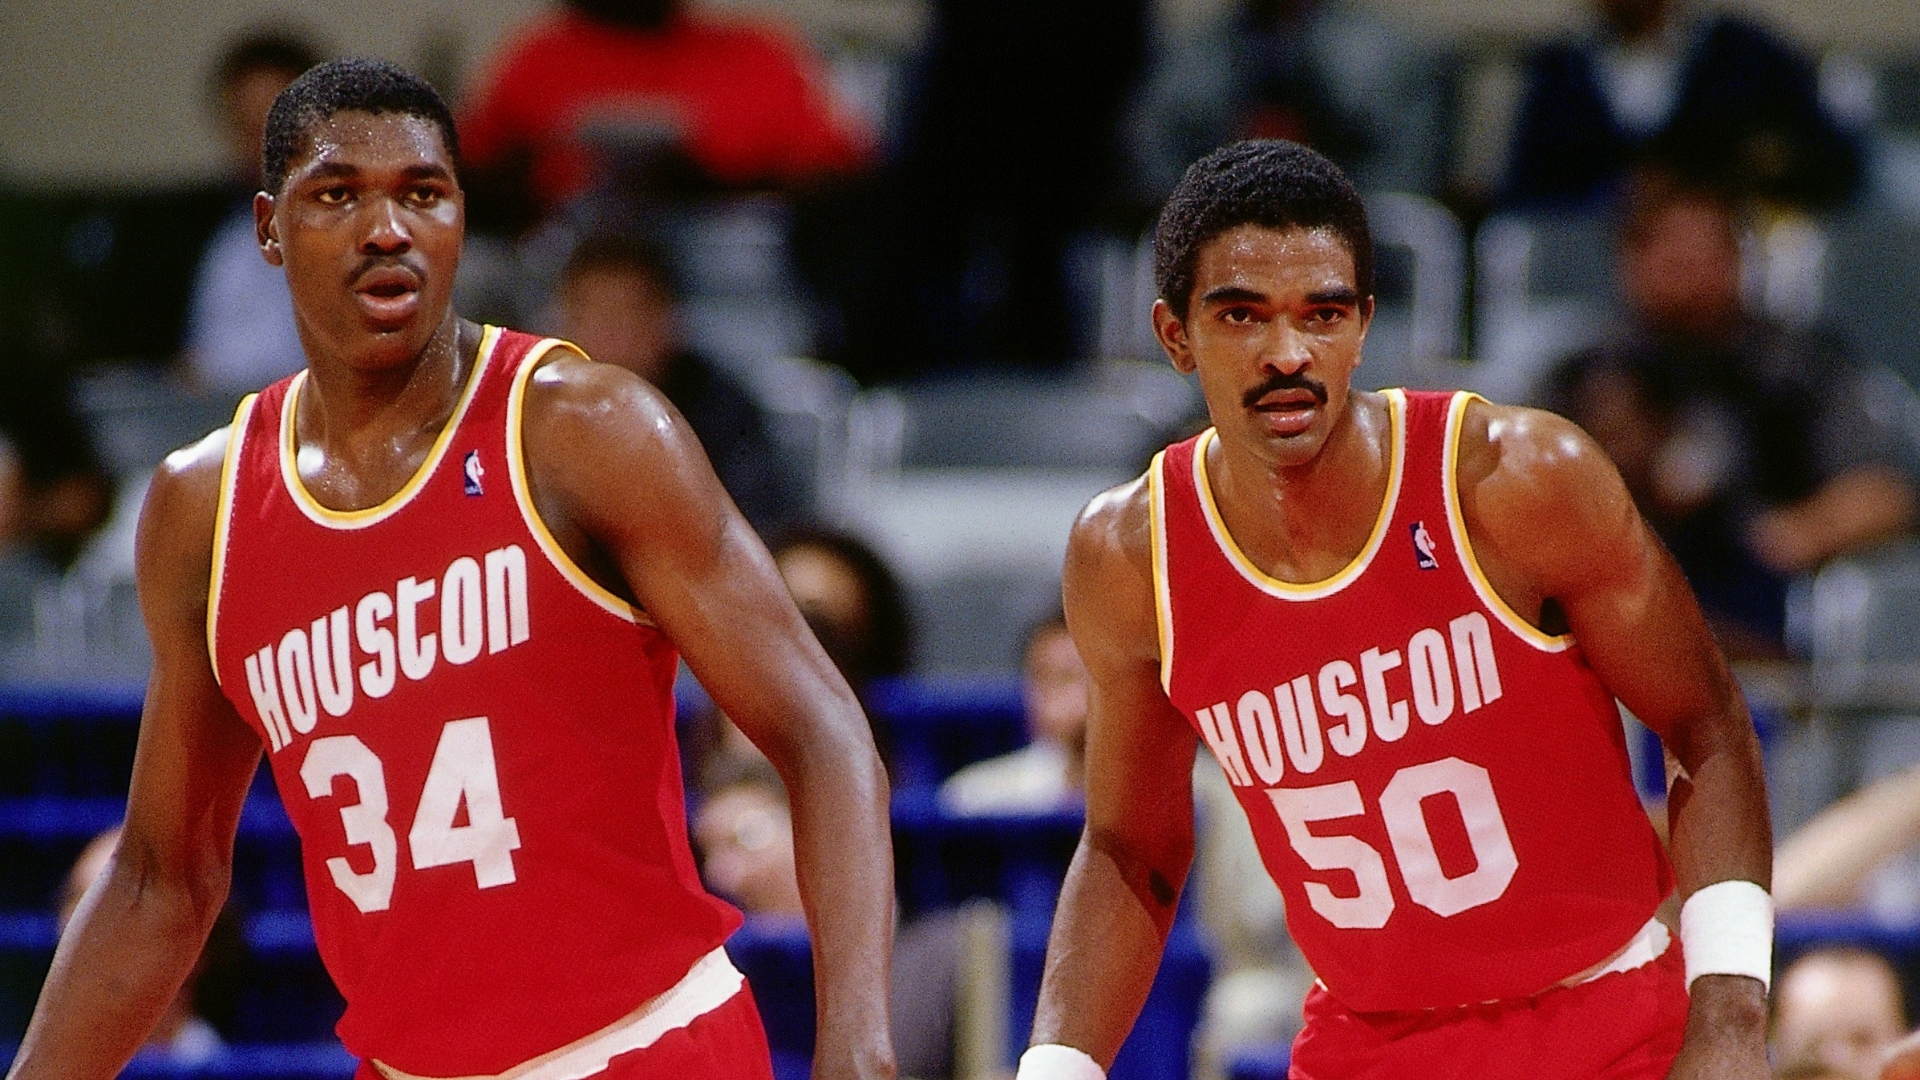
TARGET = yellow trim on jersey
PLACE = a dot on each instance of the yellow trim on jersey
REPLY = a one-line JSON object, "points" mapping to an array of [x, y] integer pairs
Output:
{"points": [[223, 512], [1157, 541], [523, 492], [320, 514], [1524, 630], [1311, 590]]}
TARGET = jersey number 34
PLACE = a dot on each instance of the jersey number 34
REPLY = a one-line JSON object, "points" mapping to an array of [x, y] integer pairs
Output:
{"points": [[462, 772], [1413, 851]]}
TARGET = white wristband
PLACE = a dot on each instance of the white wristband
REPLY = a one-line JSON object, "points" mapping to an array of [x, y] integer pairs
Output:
{"points": [[1052, 1061], [1727, 929]]}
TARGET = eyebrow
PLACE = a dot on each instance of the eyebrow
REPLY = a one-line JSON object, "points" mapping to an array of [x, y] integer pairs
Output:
{"points": [[1344, 296], [1232, 294], [334, 169], [1235, 294]]}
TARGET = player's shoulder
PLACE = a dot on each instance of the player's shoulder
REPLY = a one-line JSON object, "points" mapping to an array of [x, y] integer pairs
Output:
{"points": [[586, 399], [1116, 524], [187, 482], [1527, 450], [177, 518], [1519, 467]]}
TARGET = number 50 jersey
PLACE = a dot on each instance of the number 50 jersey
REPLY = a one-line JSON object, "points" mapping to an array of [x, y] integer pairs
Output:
{"points": [[473, 740], [1441, 791]]}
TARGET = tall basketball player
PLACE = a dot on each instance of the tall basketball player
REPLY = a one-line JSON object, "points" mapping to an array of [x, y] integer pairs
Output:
{"points": [[1399, 621], [442, 578]]}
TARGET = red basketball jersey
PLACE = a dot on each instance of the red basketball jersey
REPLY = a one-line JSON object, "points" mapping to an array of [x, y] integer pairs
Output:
{"points": [[1440, 790], [474, 741]]}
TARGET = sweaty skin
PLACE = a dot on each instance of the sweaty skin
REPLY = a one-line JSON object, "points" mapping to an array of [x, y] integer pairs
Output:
{"points": [[1299, 480], [369, 228]]}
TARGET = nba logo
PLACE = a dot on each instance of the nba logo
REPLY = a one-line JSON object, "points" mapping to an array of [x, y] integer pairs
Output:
{"points": [[1423, 547], [473, 472]]}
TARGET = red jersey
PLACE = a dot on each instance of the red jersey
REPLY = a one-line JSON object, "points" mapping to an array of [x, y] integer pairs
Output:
{"points": [[1440, 789], [474, 742], [750, 102]]}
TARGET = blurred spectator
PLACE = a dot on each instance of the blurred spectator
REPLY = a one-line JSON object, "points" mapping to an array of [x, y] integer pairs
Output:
{"points": [[1260, 980], [1714, 94], [853, 604], [1011, 151], [1903, 1059], [851, 599], [617, 302], [240, 331], [183, 1038], [1840, 1008], [744, 831], [56, 492], [1049, 773], [1810, 1070], [744, 835], [1342, 78], [1830, 861], [1754, 449], [744, 104]]}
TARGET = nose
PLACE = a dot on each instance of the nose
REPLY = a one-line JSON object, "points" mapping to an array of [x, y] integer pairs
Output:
{"points": [[1287, 350], [386, 230]]}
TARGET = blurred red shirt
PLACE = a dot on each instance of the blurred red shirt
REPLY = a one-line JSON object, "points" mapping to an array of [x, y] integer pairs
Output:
{"points": [[750, 102]]}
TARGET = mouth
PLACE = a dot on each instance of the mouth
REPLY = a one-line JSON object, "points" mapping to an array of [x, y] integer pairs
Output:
{"points": [[1287, 413], [388, 295]]}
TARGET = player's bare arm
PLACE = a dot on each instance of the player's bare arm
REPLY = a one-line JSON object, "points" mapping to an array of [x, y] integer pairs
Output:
{"points": [[628, 493], [1625, 601], [1120, 894], [140, 929]]}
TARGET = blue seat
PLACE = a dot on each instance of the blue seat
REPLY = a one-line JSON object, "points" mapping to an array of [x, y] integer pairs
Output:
{"points": [[1268, 1062], [777, 959], [938, 726], [941, 860]]}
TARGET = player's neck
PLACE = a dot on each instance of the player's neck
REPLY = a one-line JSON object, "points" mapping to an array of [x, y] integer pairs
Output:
{"points": [[343, 404], [1306, 522], [361, 433]]}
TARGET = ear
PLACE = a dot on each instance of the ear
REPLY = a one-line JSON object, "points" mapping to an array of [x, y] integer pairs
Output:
{"points": [[265, 232], [1171, 331]]}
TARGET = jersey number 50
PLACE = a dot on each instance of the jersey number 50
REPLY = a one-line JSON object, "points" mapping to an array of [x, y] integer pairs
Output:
{"points": [[1426, 881], [462, 771]]}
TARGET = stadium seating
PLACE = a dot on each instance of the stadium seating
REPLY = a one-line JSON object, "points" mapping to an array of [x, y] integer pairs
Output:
{"points": [[1542, 285], [1420, 285], [969, 488]]}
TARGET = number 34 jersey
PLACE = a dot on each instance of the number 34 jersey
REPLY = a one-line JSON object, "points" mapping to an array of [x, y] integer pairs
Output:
{"points": [[1441, 791], [473, 740]]}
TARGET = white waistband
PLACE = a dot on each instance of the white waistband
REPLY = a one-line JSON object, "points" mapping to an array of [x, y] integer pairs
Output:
{"points": [[1648, 945], [712, 981]]}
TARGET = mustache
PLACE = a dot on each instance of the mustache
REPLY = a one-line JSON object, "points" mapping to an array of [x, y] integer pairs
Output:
{"points": [[1281, 380], [386, 262]]}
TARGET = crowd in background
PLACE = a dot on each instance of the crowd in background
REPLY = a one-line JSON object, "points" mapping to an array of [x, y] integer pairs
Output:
{"points": [[696, 196]]}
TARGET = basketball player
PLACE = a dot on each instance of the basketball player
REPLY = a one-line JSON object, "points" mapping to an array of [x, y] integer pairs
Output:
{"points": [[441, 578], [1399, 621]]}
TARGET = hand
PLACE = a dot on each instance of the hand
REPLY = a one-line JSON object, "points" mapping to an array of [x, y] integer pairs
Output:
{"points": [[1726, 1031]]}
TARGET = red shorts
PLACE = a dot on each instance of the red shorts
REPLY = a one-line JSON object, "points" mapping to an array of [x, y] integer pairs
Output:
{"points": [[727, 1043], [1624, 1026]]}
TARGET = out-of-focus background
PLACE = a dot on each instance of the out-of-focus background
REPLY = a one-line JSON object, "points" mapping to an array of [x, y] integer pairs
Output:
{"points": [[892, 259]]}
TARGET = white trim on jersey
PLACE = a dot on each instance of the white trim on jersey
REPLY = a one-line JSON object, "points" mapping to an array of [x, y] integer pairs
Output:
{"points": [[711, 982]]}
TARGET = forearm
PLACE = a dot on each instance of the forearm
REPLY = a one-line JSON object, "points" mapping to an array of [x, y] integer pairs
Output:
{"points": [[1717, 806], [121, 962], [844, 853], [1108, 933]]}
